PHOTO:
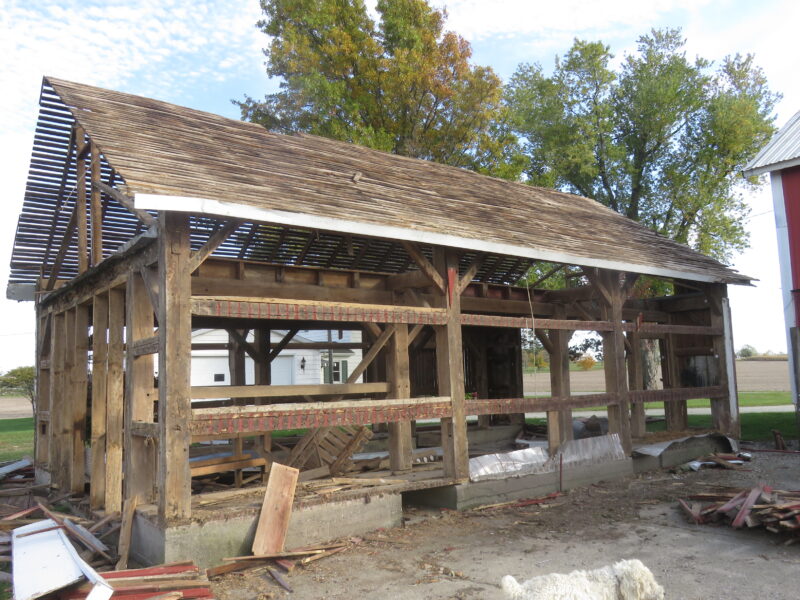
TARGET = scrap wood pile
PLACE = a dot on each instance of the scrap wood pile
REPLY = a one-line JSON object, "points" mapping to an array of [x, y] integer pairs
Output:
{"points": [[271, 530], [777, 511], [56, 554], [721, 460]]}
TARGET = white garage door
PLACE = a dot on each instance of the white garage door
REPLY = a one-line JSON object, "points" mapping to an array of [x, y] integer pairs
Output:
{"points": [[283, 370]]}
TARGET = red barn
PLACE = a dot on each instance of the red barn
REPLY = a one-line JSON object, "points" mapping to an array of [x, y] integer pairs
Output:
{"points": [[781, 159]]}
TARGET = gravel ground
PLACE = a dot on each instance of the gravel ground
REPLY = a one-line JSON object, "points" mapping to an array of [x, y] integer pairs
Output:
{"points": [[463, 555]]}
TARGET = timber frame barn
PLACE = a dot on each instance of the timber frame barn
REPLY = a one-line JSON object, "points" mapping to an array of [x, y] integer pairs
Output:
{"points": [[143, 221]]}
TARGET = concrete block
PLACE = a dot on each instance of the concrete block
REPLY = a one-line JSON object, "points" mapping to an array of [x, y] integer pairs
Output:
{"points": [[209, 541]]}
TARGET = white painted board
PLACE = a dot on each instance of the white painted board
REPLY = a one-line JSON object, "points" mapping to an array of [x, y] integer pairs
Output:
{"points": [[47, 561]]}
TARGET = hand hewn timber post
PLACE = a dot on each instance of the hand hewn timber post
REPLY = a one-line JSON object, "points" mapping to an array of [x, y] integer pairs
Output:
{"points": [[636, 382], [724, 408], [559, 422], [58, 397], [236, 366], [676, 412], [115, 390], [99, 396], [139, 453], [77, 348], [397, 371], [263, 376], [44, 365], [174, 364], [450, 369], [608, 282]]}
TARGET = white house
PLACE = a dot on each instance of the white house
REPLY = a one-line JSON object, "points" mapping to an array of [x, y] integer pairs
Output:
{"points": [[293, 366]]}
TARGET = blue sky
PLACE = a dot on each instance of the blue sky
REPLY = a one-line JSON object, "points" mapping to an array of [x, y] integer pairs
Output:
{"points": [[203, 53]]}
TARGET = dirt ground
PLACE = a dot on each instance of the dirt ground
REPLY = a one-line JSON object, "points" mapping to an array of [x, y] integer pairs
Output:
{"points": [[751, 376], [451, 555]]}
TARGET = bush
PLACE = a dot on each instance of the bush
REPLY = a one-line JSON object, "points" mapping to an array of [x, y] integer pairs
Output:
{"points": [[586, 362]]}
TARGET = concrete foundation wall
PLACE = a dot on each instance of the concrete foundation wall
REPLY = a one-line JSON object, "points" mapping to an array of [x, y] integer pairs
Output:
{"points": [[207, 543], [470, 495]]}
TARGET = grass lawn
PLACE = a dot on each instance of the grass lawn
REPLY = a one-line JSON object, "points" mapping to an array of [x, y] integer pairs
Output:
{"points": [[755, 426], [16, 438], [745, 399]]}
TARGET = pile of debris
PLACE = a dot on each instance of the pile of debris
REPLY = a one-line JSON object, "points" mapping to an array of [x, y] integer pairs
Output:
{"points": [[721, 460], [777, 511], [54, 551]]}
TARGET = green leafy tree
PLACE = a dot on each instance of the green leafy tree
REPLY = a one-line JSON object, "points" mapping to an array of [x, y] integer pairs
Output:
{"points": [[661, 139], [21, 380], [402, 85], [747, 351]]}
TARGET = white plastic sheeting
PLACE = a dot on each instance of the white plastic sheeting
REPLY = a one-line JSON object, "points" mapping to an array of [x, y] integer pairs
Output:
{"points": [[533, 460]]}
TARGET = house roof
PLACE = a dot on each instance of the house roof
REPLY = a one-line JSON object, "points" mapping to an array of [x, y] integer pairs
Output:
{"points": [[782, 151], [175, 158]]}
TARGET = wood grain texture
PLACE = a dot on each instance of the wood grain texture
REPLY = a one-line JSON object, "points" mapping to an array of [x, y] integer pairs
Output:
{"points": [[273, 522]]}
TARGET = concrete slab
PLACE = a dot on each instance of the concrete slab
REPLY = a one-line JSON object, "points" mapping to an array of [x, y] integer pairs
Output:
{"points": [[208, 542], [469, 495]]}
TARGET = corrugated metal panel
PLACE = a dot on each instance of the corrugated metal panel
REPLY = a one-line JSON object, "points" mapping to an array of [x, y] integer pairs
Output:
{"points": [[782, 151], [163, 149]]}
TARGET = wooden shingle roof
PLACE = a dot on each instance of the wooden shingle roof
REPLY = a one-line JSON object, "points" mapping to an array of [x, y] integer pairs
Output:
{"points": [[175, 158]]}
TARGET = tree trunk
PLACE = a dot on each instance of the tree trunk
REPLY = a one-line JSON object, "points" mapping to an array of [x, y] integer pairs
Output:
{"points": [[651, 365]]}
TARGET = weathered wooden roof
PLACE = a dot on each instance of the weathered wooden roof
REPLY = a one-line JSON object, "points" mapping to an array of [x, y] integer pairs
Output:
{"points": [[175, 158]]}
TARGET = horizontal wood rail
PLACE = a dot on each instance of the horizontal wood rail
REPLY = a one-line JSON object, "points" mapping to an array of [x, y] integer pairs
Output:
{"points": [[204, 392], [271, 308], [275, 417], [574, 325], [677, 394], [226, 464], [500, 406]]}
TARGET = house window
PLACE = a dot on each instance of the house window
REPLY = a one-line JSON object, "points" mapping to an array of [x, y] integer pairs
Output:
{"points": [[339, 374], [219, 377]]}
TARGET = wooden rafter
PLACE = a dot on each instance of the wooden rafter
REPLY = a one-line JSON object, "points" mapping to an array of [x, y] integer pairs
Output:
{"points": [[60, 197], [425, 265], [144, 217], [215, 241], [96, 212], [472, 270]]}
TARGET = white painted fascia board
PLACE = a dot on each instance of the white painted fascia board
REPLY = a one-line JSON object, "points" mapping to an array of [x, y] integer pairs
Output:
{"points": [[253, 213]]}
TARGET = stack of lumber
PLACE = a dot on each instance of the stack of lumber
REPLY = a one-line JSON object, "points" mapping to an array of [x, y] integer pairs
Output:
{"points": [[328, 450], [777, 511], [325, 487]]}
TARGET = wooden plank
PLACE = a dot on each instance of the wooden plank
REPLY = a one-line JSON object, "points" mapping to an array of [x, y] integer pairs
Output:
{"points": [[124, 548], [115, 390], [145, 346], [96, 212], [42, 431], [398, 374], [233, 465], [276, 509], [450, 371], [97, 480], [174, 367], [204, 392], [676, 414]]}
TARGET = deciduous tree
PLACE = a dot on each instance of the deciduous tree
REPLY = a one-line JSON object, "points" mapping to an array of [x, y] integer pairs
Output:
{"points": [[660, 139], [403, 84]]}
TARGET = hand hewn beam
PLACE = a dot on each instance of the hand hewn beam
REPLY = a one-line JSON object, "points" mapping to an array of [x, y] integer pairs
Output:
{"points": [[472, 270], [425, 265], [214, 242], [279, 347], [144, 216]]}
